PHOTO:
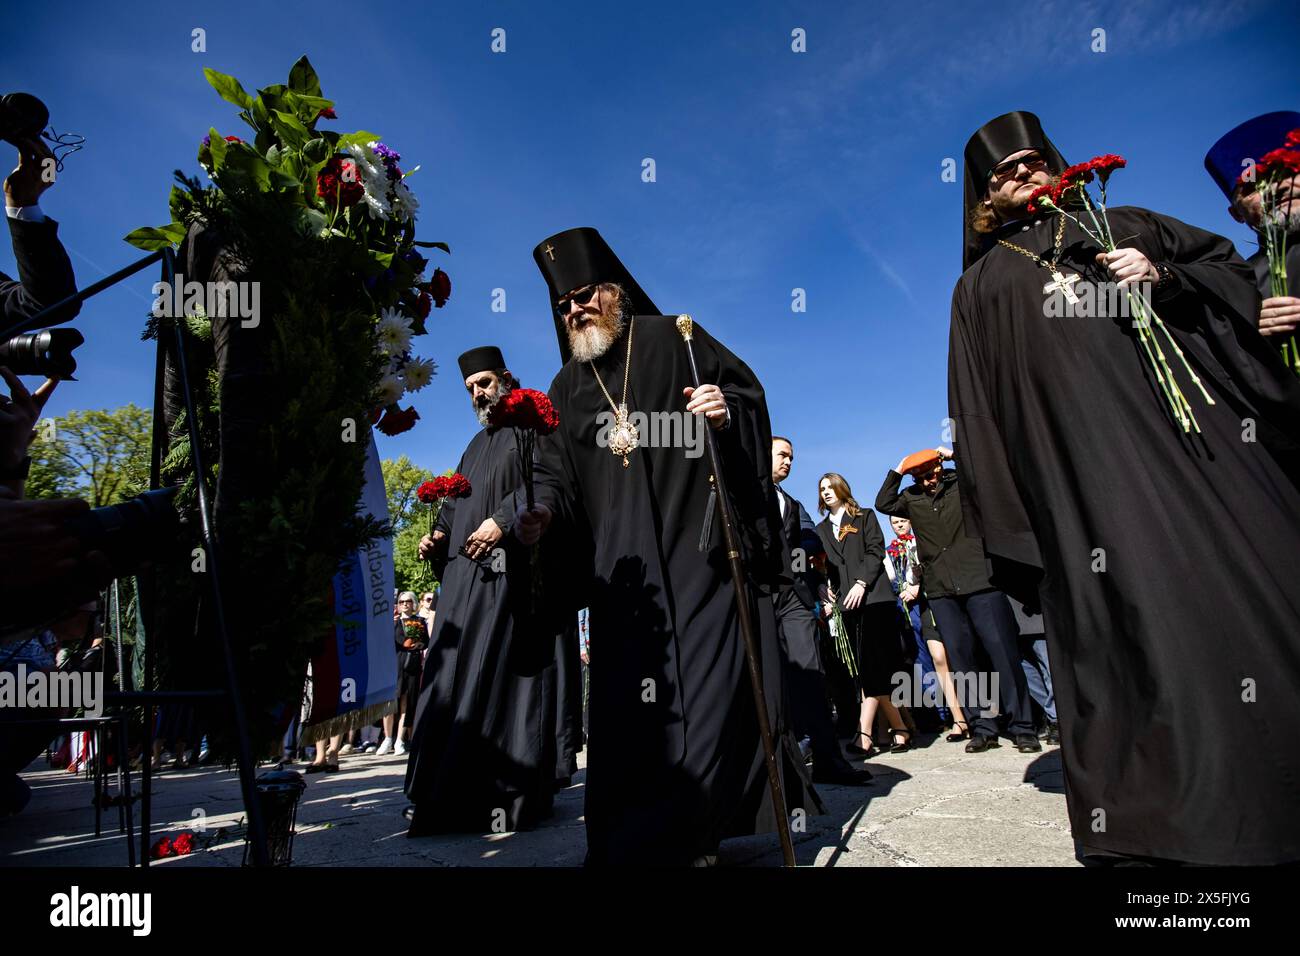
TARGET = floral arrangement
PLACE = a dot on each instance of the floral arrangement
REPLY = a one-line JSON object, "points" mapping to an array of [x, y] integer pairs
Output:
{"points": [[1069, 192], [342, 189], [1274, 167], [324, 223]]}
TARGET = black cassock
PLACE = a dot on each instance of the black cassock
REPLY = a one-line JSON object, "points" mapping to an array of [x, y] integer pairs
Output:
{"points": [[1259, 262], [1175, 667], [675, 759], [491, 730]]}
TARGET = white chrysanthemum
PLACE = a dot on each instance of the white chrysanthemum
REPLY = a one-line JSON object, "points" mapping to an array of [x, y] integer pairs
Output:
{"points": [[418, 373], [393, 333], [390, 390], [404, 203]]}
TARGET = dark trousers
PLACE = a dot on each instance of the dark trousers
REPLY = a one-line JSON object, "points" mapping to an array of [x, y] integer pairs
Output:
{"points": [[979, 628], [806, 680], [1038, 672]]}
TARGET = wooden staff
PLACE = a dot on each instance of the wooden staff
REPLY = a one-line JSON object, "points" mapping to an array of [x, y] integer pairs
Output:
{"points": [[685, 326]]}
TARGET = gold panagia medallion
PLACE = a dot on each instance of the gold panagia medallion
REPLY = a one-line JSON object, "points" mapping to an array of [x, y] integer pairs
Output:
{"points": [[623, 436]]}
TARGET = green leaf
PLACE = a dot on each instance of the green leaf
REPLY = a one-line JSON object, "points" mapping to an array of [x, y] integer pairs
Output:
{"points": [[434, 245], [228, 87], [153, 238], [303, 79], [217, 146], [290, 128], [359, 138], [279, 180], [317, 150]]}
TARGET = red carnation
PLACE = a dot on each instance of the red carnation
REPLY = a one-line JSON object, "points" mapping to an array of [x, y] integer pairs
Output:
{"points": [[440, 288], [183, 845], [1293, 138], [1078, 173], [526, 408], [427, 493], [458, 486], [1049, 191], [1105, 165], [423, 305], [163, 847], [339, 182], [397, 421], [327, 113], [1283, 161]]}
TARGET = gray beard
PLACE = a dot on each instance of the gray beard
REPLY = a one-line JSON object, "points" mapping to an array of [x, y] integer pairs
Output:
{"points": [[594, 341], [484, 412]]}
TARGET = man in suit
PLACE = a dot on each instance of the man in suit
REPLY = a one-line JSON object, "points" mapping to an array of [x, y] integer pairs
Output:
{"points": [[44, 271], [796, 622]]}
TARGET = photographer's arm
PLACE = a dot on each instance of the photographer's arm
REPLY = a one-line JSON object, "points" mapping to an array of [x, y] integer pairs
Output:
{"points": [[44, 270]]}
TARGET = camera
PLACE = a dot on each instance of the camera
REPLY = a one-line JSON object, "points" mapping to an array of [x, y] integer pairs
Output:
{"points": [[48, 353], [22, 116], [130, 533]]}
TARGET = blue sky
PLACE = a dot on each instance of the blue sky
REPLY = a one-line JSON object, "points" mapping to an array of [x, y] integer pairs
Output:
{"points": [[775, 169]]}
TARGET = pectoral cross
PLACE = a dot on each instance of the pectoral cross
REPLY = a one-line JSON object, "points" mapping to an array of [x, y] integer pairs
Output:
{"points": [[1062, 283], [550, 251]]}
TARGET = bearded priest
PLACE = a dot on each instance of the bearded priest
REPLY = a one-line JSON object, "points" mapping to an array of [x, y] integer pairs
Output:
{"points": [[1164, 556], [675, 758], [491, 734]]}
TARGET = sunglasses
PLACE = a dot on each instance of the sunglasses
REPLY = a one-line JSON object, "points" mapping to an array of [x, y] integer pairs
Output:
{"points": [[1005, 170], [581, 297]]}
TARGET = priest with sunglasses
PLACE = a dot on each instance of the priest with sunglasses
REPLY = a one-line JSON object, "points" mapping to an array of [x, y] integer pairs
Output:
{"points": [[675, 758], [1163, 553]]}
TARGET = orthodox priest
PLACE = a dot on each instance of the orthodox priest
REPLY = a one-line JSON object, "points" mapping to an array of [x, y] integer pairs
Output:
{"points": [[1163, 558], [1279, 314], [490, 727], [676, 761]]}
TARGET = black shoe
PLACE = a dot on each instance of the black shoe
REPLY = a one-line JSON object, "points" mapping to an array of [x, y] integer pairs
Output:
{"points": [[956, 735], [316, 768], [1053, 737], [844, 776], [859, 753], [1026, 744], [979, 743], [905, 746]]}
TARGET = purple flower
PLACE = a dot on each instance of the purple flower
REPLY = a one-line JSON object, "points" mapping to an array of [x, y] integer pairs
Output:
{"points": [[207, 140], [390, 159]]}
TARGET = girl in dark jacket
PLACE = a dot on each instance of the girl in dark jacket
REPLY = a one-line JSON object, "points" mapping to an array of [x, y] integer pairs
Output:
{"points": [[855, 553]]}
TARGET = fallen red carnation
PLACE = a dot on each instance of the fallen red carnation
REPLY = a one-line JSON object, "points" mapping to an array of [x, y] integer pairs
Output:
{"points": [[398, 420], [161, 848], [183, 845]]}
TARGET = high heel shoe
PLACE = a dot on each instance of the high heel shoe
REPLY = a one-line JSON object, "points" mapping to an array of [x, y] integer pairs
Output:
{"points": [[905, 746], [956, 735], [855, 751]]}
